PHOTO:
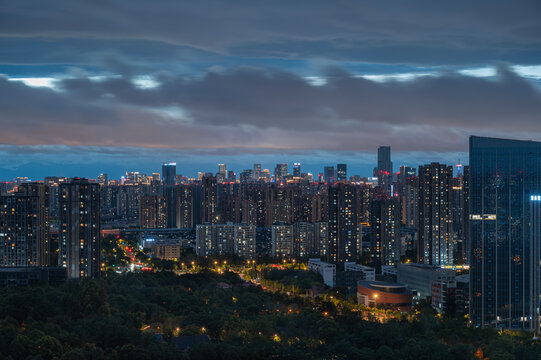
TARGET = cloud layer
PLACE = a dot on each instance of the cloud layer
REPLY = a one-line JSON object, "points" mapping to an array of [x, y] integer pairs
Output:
{"points": [[416, 31], [237, 78], [262, 110]]}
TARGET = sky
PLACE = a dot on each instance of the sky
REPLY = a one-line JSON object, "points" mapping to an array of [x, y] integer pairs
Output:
{"points": [[112, 86]]}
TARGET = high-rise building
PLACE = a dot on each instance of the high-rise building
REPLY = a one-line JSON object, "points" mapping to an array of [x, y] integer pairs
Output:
{"points": [[188, 207], [410, 202], [466, 214], [402, 176], [245, 237], [171, 206], [209, 200], [504, 175], [257, 172], [280, 172], [226, 239], [435, 243], [535, 263], [46, 252], [169, 173], [321, 239], [102, 179], [80, 235], [282, 240], [341, 172], [457, 209], [328, 174], [24, 227], [153, 213], [384, 170], [222, 169], [384, 225], [297, 170], [221, 176], [342, 223], [384, 159]]}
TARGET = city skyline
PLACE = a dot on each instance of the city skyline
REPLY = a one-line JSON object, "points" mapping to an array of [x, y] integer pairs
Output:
{"points": [[268, 180], [243, 83], [363, 166]]}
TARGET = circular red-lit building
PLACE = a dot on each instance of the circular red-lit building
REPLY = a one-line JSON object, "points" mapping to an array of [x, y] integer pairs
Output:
{"points": [[384, 294]]}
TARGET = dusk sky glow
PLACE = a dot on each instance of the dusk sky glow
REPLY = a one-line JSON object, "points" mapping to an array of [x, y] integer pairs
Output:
{"points": [[116, 86]]}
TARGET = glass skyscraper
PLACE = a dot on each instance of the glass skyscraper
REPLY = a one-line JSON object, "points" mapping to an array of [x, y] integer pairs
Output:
{"points": [[504, 175]]}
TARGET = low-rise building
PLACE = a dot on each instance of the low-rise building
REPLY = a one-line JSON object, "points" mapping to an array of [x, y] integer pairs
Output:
{"points": [[420, 277], [166, 251], [327, 270], [385, 295], [369, 273]]}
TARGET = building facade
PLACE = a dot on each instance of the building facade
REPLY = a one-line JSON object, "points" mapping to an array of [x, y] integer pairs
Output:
{"points": [[504, 175], [79, 230]]}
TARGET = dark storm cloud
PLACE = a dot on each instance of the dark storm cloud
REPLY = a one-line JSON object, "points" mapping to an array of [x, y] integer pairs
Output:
{"points": [[264, 110], [417, 31]]}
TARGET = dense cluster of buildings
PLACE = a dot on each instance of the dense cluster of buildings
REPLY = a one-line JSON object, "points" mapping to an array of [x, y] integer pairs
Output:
{"points": [[485, 215]]}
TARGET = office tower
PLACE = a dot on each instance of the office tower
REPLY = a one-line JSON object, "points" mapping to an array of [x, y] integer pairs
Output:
{"points": [[297, 170], [102, 179], [156, 176], [222, 169], [171, 206], [280, 172], [435, 245], [246, 176], [341, 172], [384, 170], [24, 227], [504, 175], [169, 174], [342, 223], [132, 177], [384, 159], [384, 226], [535, 263], [328, 174], [231, 176], [257, 172], [466, 214], [221, 176], [265, 175], [80, 236], [153, 212], [282, 240], [209, 200]]}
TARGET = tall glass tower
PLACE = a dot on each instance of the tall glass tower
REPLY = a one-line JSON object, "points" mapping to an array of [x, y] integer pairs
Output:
{"points": [[504, 175]]}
